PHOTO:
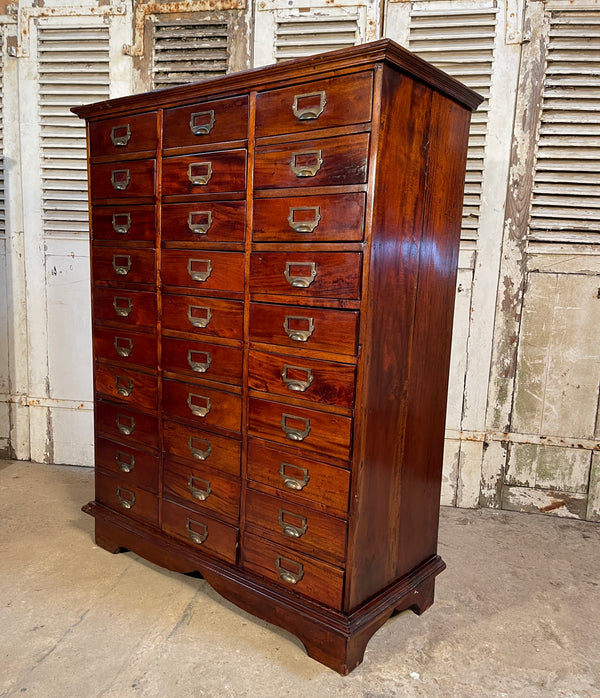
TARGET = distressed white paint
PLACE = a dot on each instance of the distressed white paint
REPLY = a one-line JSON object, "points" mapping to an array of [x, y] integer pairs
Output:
{"points": [[593, 504]]}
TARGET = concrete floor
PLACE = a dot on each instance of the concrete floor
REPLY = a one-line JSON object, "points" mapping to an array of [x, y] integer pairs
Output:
{"points": [[517, 614]]}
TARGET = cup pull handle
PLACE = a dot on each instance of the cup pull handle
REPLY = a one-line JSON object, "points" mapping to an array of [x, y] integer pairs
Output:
{"points": [[296, 384], [299, 220], [123, 385], [199, 320], [199, 269], [197, 537], [199, 453], [199, 488], [199, 221], [120, 135], [123, 346], [198, 410], [293, 530], [199, 173], [199, 366], [309, 106], [125, 464], [201, 122], [121, 222], [121, 264], [125, 424], [289, 480], [295, 333], [300, 274], [295, 433], [306, 163], [120, 179], [126, 498], [287, 575], [122, 305]]}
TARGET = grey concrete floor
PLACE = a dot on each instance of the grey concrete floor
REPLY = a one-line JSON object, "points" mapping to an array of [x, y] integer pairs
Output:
{"points": [[517, 614]]}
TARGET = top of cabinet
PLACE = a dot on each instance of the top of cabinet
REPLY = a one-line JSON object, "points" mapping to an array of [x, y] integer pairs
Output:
{"points": [[323, 65]]}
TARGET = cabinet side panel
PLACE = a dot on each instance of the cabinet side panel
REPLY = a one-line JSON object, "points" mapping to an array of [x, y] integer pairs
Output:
{"points": [[432, 334], [387, 320]]}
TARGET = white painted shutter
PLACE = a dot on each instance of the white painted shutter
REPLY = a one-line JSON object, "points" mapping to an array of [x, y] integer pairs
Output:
{"points": [[2, 200], [186, 52], [301, 36], [73, 69], [565, 205], [461, 42]]}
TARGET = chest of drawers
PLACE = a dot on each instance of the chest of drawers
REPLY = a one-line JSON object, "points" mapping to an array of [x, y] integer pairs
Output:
{"points": [[273, 265]]}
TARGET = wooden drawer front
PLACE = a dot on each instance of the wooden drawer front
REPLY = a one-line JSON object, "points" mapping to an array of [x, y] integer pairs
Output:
{"points": [[297, 572], [201, 531], [203, 270], [327, 434], [126, 307], [327, 161], [210, 317], [122, 180], [124, 265], [213, 361], [205, 406], [312, 105], [123, 134], [134, 468], [116, 493], [208, 221], [296, 526], [295, 376], [205, 173], [122, 384], [338, 217], [299, 328], [126, 425], [202, 488], [307, 274], [206, 122], [124, 223], [196, 447], [308, 480], [129, 348]]}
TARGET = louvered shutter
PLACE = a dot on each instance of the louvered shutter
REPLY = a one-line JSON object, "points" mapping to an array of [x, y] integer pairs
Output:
{"points": [[565, 205], [186, 52], [461, 42], [299, 37], [73, 69], [2, 199]]}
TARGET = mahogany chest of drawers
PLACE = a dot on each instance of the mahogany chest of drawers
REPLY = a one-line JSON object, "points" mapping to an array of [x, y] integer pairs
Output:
{"points": [[273, 264]]}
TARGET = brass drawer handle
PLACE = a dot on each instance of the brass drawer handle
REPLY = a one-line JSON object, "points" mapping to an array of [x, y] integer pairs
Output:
{"points": [[300, 222], [291, 482], [122, 305], [308, 110], [304, 273], [123, 345], [125, 466], [128, 501], [296, 384], [202, 273], [120, 135], [298, 334], [125, 424], [195, 536], [199, 366], [291, 529], [199, 221], [201, 122], [287, 575], [199, 453], [199, 173], [201, 493], [120, 179], [306, 163], [295, 433], [121, 222], [121, 264], [199, 315], [199, 410], [123, 385]]}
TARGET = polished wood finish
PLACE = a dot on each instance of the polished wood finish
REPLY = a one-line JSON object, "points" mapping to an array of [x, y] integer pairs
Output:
{"points": [[273, 280]]}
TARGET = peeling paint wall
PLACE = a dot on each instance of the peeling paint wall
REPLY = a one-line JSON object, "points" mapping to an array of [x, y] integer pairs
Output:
{"points": [[523, 424]]}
